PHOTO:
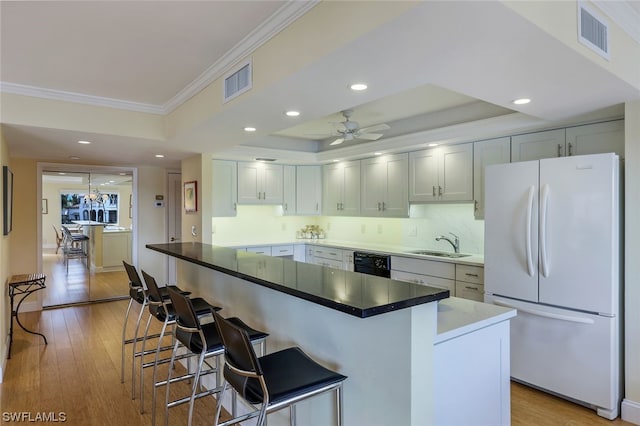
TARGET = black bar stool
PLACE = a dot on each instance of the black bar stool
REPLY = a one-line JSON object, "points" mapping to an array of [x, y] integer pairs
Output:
{"points": [[275, 381], [202, 340], [161, 308], [139, 294]]}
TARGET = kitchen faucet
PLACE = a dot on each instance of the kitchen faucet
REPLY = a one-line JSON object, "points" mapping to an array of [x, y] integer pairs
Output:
{"points": [[455, 243]]}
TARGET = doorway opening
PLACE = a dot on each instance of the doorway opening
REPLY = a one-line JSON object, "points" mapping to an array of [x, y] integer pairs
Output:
{"points": [[96, 203]]}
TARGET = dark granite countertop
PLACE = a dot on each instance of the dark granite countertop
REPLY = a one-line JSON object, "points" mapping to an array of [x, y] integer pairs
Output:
{"points": [[354, 293]]}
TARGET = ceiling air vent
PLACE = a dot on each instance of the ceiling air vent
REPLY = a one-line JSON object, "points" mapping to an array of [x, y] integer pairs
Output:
{"points": [[593, 31], [237, 83]]}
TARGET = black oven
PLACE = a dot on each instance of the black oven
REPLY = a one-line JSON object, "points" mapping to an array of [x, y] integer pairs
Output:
{"points": [[372, 264]]}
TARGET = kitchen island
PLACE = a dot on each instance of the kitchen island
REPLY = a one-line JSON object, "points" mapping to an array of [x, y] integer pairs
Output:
{"points": [[381, 333]]}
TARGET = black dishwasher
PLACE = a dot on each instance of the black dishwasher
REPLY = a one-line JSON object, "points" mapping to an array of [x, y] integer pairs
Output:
{"points": [[372, 264]]}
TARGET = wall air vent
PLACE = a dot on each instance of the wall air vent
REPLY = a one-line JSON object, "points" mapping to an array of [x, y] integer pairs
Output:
{"points": [[593, 31], [238, 82]]}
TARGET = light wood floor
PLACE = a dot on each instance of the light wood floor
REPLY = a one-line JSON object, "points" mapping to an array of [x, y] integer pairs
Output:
{"points": [[79, 284], [78, 373]]}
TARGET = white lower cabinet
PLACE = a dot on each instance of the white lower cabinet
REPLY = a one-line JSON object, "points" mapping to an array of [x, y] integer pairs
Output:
{"points": [[327, 256], [424, 272], [470, 282], [266, 250]]}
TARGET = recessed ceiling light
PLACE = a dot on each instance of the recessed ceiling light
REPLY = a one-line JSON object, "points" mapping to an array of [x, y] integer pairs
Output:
{"points": [[84, 142], [335, 161], [377, 153], [292, 113], [249, 129], [73, 157], [432, 144], [159, 156], [358, 87], [61, 173], [522, 101]]}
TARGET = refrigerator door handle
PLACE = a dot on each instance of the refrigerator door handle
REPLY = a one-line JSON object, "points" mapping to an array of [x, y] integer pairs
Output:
{"points": [[527, 244], [544, 314], [543, 230]]}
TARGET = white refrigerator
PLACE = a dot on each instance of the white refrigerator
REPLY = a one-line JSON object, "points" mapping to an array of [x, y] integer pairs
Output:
{"points": [[552, 251]]}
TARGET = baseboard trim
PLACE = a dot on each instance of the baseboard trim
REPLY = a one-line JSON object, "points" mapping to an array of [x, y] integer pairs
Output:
{"points": [[630, 411]]}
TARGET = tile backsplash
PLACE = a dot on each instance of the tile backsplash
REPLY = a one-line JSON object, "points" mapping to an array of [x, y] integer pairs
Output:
{"points": [[264, 224]]}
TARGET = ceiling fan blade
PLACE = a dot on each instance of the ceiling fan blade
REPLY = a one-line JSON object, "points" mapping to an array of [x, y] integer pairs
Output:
{"points": [[338, 141], [370, 136], [375, 128]]}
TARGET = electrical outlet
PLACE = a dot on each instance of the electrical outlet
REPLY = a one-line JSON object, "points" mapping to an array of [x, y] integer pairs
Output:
{"points": [[284, 226], [363, 229], [379, 228]]}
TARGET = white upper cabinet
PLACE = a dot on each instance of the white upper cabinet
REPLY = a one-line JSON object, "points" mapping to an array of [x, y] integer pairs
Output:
{"points": [[308, 190], [289, 189], [579, 140], [341, 189], [260, 183], [441, 174], [385, 186], [539, 145], [225, 187], [596, 138], [485, 153]]}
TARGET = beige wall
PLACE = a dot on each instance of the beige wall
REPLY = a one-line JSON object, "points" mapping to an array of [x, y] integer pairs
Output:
{"points": [[632, 267], [151, 221], [5, 272], [193, 168], [26, 208]]}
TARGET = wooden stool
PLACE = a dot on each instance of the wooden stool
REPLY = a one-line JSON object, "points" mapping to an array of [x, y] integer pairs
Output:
{"points": [[23, 284]]}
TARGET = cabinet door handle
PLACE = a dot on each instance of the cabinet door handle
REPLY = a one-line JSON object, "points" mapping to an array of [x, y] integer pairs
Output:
{"points": [[471, 275], [235, 206], [475, 205], [379, 207], [471, 288], [317, 206], [258, 195], [434, 190], [286, 207], [570, 153], [264, 195], [341, 206], [384, 206], [559, 150], [439, 190]]}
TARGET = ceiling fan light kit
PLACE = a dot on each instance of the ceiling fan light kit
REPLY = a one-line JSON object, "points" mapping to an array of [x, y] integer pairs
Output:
{"points": [[353, 131]]}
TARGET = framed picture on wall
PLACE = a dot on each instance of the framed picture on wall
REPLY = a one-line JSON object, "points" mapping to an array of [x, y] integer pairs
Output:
{"points": [[7, 198], [191, 196]]}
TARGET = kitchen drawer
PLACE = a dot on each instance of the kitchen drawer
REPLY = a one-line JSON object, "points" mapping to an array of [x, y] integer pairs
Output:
{"points": [[327, 253], [470, 274], [329, 263], [470, 291], [266, 250], [285, 250], [424, 267], [444, 283]]}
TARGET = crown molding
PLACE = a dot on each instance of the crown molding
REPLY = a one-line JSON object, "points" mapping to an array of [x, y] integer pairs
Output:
{"points": [[61, 95], [623, 14], [282, 18]]}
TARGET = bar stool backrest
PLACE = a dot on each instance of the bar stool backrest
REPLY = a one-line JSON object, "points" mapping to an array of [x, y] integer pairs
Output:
{"points": [[185, 313], [134, 278], [152, 288], [242, 366]]}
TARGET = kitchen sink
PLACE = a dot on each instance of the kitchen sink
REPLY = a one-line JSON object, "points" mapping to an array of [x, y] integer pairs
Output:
{"points": [[438, 253]]}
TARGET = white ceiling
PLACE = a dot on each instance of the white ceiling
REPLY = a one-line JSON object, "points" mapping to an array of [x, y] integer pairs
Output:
{"points": [[437, 64]]}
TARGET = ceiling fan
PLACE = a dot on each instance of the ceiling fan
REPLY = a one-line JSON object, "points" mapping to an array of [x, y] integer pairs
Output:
{"points": [[353, 131]]}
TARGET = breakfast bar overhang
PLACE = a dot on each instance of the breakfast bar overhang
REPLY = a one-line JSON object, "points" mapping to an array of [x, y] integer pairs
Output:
{"points": [[383, 334]]}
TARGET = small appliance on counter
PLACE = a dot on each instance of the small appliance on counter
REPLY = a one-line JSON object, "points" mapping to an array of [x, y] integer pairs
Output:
{"points": [[372, 264]]}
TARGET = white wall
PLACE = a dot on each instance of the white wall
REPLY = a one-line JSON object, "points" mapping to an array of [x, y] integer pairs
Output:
{"points": [[631, 403]]}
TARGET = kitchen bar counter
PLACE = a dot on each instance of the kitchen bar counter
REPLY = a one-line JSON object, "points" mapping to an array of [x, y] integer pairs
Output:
{"points": [[350, 292], [405, 365]]}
